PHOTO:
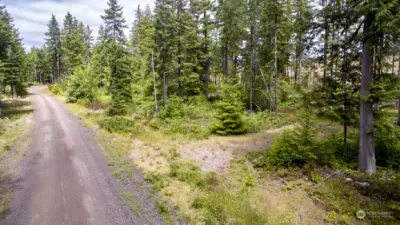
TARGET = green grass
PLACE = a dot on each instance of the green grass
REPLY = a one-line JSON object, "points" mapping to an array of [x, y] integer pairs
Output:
{"points": [[11, 122], [187, 172], [164, 210], [342, 200], [15, 109], [118, 124], [225, 207], [12, 126]]}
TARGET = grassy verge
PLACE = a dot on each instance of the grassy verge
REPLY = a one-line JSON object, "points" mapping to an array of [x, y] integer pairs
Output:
{"points": [[13, 126]]}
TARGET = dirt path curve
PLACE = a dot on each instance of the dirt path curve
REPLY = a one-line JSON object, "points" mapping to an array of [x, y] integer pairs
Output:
{"points": [[65, 181]]}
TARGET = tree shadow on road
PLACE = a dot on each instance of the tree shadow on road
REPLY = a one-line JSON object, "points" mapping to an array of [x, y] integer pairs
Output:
{"points": [[14, 109]]}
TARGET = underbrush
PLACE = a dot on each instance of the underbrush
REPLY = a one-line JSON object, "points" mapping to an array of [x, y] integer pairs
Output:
{"points": [[263, 120], [193, 117], [343, 199], [118, 124], [223, 207], [187, 172], [57, 88], [337, 186]]}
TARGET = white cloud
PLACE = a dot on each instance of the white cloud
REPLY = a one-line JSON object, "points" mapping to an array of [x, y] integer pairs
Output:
{"points": [[31, 16]]}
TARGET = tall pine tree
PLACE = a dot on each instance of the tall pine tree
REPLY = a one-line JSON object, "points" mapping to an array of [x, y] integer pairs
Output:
{"points": [[53, 44]]}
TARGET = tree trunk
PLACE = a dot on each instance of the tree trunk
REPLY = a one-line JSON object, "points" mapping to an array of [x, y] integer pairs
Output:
{"points": [[366, 152], [165, 89], [326, 45], [226, 60], [271, 81], [276, 67], [234, 66], [58, 66], [398, 113], [393, 62], [299, 57], [14, 91], [208, 60], [398, 109], [266, 88], [154, 82], [252, 33]]}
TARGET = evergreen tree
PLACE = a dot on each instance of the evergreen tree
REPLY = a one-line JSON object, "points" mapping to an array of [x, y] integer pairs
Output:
{"points": [[230, 118], [12, 54], [67, 36], [202, 10], [88, 40], [101, 34], [165, 42], [120, 77], [231, 14], [142, 48], [53, 44], [188, 48], [114, 22]]}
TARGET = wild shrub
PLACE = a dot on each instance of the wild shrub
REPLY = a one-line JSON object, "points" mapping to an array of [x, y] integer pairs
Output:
{"points": [[156, 179], [230, 113], [55, 89], [295, 147], [96, 105], [81, 85], [118, 124], [187, 172], [174, 109], [224, 207], [192, 117], [387, 147], [387, 144], [21, 90], [258, 121], [83, 102]]}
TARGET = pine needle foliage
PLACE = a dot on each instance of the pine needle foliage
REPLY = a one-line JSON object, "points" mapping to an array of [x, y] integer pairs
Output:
{"points": [[120, 87], [230, 112]]}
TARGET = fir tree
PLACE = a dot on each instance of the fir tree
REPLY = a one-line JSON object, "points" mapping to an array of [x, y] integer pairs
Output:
{"points": [[120, 77], [101, 34], [165, 42], [12, 55], [53, 44], [114, 22], [230, 118]]}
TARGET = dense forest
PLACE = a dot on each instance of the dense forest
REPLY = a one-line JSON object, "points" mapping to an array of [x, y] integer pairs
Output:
{"points": [[236, 59]]}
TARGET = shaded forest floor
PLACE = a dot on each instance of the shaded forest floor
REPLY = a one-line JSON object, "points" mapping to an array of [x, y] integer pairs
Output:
{"points": [[214, 180]]}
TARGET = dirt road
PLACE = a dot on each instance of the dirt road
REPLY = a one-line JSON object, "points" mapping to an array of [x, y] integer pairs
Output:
{"points": [[65, 180]]}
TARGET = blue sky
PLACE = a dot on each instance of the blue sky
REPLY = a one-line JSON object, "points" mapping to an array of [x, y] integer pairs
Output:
{"points": [[31, 16]]}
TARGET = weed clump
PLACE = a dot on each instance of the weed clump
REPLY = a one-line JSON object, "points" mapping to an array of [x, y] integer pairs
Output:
{"points": [[83, 102], [187, 172], [230, 208], [56, 89], [156, 179], [118, 124]]}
